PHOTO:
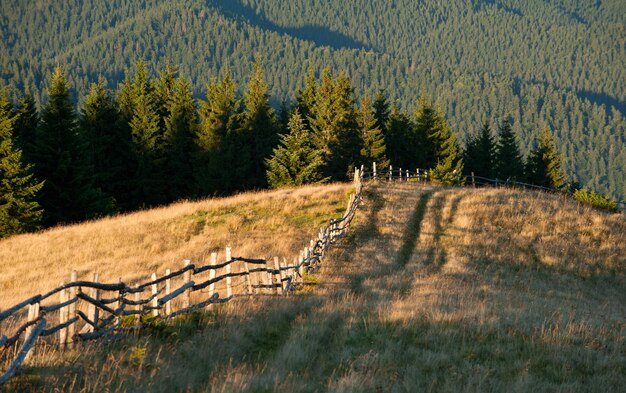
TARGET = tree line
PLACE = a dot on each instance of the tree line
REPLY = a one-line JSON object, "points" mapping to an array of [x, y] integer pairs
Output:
{"points": [[151, 143]]}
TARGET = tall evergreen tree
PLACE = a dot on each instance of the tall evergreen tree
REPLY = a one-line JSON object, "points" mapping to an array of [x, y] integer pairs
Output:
{"points": [[403, 145], [449, 155], [60, 159], [374, 149], [19, 210], [544, 166], [509, 163], [426, 131], [259, 129], [218, 140], [108, 145], [382, 111], [480, 152], [295, 161], [25, 126], [181, 124], [334, 125], [305, 99]]}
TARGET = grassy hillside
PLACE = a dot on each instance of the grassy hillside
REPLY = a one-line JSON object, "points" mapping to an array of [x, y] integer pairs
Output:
{"points": [[437, 289]]}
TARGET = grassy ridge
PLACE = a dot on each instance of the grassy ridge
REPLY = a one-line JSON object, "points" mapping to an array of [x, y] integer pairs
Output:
{"points": [[437, 289]]}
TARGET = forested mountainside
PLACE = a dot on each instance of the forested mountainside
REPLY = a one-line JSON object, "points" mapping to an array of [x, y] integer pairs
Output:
{"points": [[556, 63]]}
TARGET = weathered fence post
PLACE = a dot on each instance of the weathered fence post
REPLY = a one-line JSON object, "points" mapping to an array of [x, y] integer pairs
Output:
{"points": [[266, 276], [168, 290], [390, 171], [407, 175], [249, 279], [186, 280], [138, 307], [71, 330], [63, 317], [496, 182], [279, 276], [33, 314], [473, 181], [92, 310], [212, 274], [374, 169], [229, 281], [155, 300]]}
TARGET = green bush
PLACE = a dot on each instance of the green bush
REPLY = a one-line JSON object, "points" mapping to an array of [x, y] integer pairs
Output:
{"points": [[596, 200]]}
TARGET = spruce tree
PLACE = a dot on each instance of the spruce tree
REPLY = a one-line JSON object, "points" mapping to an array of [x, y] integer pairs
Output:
{"points": [[108, 144], [509, 164], [544, 167], [217, 141], [305, 99], [449, 155], [19, 210], [403, 146], [374, 149], [425, 131], [60, 158], [382, 111], [259, 129], [181, 129], [479, 154], [295, 161], [25, 126]]}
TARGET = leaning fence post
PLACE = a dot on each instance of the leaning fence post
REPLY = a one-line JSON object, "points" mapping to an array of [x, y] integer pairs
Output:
{"points": [[71, 330], [168, 290], [186, 280], [63, 317], [229, 281]]}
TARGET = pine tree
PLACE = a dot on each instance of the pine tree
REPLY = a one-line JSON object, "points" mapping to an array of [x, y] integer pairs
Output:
{"points": [[374, 149], [108, 144], [449, 156], [25, 127], [544, 167], [403, 146], [382, 111], [60, 159], [305, 99], [295, 161], [259, 129], [19, 210], [217, 141], [509, 164], [479, 154], [181, 128]]}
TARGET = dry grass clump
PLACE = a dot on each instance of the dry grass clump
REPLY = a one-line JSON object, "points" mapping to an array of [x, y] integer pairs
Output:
{"points": [[132, 246], [437, 289]]}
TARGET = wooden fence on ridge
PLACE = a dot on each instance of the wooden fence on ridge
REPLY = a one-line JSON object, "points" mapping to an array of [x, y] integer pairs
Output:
{"points": [[86, 310]]}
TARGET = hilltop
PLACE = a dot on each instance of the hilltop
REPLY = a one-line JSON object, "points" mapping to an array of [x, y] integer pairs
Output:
{"points": [[436, 289]]}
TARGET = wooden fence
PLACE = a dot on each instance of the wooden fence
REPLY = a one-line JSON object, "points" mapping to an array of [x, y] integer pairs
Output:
{"points": [[86, 310]]}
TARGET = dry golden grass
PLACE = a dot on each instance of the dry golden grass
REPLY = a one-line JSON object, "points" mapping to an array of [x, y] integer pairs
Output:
{"points": [[437, 289], [132, 246]]}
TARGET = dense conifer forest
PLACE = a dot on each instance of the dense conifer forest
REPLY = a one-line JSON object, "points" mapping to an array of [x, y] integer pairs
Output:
{"points": [[151, 101]]}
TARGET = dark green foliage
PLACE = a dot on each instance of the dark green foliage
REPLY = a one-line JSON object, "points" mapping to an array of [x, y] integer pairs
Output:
{"points": [[295, 161], [25, 126], [382, 111], [19, 210], [334, 125], [426, 123], [596, 200], [260, 133], [374, 150], [509, 164], [218, 140], [480, 153], [108, 145], [305, 99], [404, 144], [60, 158], [449, 155], [181, 129], [543, 166]]}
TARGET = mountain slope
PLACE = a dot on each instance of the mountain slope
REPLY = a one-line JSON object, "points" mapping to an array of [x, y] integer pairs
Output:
{"points": [[439, 289], [555, 64]]}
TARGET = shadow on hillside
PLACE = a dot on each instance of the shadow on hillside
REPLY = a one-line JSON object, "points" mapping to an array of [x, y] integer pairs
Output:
{"points": [[319, 35]]}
